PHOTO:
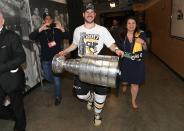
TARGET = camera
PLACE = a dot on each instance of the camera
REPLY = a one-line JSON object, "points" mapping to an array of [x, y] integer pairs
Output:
{"points": [[52, 25]]}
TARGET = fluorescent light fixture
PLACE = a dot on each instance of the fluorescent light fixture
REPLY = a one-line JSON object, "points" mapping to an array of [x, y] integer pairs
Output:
{"points": [[112, 4]]}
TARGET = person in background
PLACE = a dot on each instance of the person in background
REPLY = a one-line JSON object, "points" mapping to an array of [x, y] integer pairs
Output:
{"points": [[133, 43], [90, 39], [46, 10], [12, 79], [115, 30], [56, 16], [62, 20], [36, 19], [50, 35]]}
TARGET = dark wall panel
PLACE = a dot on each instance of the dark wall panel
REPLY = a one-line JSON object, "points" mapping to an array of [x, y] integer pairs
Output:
{"points": [[75, 14]]}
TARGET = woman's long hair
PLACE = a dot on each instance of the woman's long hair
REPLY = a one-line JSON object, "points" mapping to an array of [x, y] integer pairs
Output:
{"points": [[125, 30]]}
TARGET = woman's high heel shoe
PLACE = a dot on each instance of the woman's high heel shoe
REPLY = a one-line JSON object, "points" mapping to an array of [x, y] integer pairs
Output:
{"points": [[135, 108]]}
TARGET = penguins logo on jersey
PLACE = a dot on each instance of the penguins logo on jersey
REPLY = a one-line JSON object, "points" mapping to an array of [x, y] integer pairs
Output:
{"points": [[91, 41]]}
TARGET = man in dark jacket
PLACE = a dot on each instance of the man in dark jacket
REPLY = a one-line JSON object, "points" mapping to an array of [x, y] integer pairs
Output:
{"points": [[12, 55], [50, 35]]}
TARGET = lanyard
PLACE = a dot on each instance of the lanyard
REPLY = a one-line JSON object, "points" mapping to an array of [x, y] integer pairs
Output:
{"points": [[130, 55], [53, 33]]}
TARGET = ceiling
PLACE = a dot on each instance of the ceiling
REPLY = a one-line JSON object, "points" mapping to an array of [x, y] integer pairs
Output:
{"points": [[130, 1], [104, 5]]}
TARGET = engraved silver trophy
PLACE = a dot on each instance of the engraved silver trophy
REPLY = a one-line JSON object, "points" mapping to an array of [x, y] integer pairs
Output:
{"points": [[95, 69]]}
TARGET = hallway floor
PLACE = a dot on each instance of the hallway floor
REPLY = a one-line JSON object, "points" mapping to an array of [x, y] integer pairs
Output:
{"points": [[161, 102]]}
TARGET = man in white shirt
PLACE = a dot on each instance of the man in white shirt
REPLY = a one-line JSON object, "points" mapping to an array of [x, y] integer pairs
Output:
{"points": [[90, 39]]}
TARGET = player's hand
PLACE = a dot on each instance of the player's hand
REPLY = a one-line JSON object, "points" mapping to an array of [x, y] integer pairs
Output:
{"points": [[62, 53]]}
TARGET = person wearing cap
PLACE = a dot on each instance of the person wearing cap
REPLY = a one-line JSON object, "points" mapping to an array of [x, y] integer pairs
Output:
{"points": [[90, 39], [12, 78], [50, 36]]}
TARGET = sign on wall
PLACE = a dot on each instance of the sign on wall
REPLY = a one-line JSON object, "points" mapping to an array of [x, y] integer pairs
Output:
{"points": [[177, 19], [57, 10], [17, 16]]}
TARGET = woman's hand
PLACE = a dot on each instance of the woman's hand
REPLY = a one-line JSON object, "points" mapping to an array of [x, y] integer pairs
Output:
{"points": [[139, 40], [59, 26], [44, 26], [142, 42]]}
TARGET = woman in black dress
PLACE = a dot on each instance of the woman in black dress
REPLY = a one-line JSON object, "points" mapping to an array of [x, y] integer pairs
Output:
{"points": [[133, 44]]}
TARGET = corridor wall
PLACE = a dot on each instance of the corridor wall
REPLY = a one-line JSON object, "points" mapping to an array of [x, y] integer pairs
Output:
{"points": [[169, 49]]}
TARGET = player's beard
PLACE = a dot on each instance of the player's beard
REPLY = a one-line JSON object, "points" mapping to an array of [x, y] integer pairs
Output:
{"points": [[89, 21]]}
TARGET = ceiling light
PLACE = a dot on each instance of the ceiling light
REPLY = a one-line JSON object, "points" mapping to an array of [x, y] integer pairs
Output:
{"points": [[112, 4]]}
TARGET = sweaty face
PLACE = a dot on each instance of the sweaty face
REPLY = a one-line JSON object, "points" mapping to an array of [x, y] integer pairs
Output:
{"points": [[89, 16], [1, 20], [48, 20], [131, 25]]}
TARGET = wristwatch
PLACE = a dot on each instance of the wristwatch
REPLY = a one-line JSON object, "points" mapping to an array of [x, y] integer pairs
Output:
{"points": [[115, 49]]}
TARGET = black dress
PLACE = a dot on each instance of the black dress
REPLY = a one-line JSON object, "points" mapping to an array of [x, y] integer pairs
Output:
{"points": [[132, 71]]}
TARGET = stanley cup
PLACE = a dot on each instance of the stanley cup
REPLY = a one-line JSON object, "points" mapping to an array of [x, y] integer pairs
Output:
{"points": [[95, 69]]}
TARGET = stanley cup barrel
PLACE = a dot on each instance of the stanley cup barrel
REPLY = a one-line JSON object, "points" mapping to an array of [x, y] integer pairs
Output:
{"points": [[93, 69]]}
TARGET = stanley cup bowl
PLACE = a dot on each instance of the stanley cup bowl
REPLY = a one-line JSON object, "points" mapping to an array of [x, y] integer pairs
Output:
{"points": [[58, 64], [93, 69], [100, 70]]}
